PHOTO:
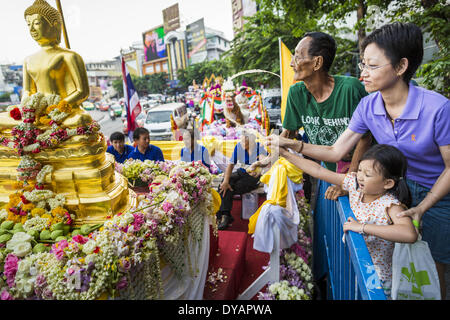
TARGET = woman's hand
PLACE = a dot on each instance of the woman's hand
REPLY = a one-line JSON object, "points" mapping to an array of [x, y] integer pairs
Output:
{"points": [[224, 187], [352, 225], [416, 213]]}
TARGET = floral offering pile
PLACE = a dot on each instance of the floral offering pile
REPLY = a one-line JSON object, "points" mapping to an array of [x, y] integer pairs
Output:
{"points": [[95, 260], [296, 280], [218, 128]]}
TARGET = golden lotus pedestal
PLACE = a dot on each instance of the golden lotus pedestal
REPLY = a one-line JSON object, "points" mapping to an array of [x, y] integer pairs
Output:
{"points": [[82, 171]]}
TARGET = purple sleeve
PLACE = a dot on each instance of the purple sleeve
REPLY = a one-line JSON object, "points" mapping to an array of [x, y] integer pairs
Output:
{"points": [[357, 123], [442, 126]]}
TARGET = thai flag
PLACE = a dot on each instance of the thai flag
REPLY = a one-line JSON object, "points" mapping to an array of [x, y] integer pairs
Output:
{"points": [[132, 104]]}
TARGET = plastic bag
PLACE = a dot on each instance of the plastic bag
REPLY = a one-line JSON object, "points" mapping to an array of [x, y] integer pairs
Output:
{"points": [[414, 274]]}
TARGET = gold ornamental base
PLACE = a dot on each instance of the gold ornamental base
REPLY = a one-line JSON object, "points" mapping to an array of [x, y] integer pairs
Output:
{"points": [[84, 173]]}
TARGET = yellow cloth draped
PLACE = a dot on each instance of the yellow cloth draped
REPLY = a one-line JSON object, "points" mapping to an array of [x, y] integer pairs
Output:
{"points": [[172, 149], [281, 169], [217, 201]]}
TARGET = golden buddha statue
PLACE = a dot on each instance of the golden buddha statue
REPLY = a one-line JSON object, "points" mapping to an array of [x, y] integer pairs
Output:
{"points": [[82, 171]]}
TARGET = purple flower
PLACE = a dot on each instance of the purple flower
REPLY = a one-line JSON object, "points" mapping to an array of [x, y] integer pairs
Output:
{"points": [[122, 284], [124, 265]]}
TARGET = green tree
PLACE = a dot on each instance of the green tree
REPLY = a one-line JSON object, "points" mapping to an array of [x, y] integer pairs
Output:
{"points": [[202, 70], [148, 84]]}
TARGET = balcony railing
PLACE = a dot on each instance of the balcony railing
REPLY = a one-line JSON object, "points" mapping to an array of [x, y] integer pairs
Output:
{"points": [[347, 267]]}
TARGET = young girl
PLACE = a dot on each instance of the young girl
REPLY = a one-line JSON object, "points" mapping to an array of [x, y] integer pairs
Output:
{"points": [[377, 193]]}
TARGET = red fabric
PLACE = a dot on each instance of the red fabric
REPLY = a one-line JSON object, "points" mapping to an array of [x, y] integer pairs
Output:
{"points": [[241, 263]]}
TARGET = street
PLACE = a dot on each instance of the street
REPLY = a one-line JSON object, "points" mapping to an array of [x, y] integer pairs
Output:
{"points": [[107, 125]]}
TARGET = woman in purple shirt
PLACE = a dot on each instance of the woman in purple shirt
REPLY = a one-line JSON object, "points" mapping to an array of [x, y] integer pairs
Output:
{"points": [[413, 119]]}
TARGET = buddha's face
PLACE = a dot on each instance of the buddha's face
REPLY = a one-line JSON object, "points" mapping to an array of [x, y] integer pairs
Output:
{"points": [[41, 31]]}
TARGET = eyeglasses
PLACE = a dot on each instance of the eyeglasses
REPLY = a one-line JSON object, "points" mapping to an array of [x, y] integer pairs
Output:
{"points": [[363, 66]]}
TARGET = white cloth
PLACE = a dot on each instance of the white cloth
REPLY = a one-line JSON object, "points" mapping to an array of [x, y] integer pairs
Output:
{"points": [[287, 220], [188, 287]]}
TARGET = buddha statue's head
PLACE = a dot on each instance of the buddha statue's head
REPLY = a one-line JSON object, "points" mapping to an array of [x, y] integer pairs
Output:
{"points": [[44, 23]]}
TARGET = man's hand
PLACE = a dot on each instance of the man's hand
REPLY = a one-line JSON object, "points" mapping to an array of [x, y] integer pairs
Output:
{"points": [[224, 187], [334, 192]]}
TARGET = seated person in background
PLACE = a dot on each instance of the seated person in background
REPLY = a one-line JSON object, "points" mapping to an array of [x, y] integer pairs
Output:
{"points": [[144, 150], [192, 151], [118, 148], [246, 152]]}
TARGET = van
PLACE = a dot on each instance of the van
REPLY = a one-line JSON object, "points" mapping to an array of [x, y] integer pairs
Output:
{"points": [[271, 99], [158, 120]]}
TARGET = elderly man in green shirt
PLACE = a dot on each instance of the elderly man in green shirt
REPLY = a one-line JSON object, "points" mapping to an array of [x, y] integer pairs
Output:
{"points": [[321, 103]]}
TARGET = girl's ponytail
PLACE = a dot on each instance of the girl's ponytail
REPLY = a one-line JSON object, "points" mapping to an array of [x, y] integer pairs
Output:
{"points": [[401, 192], [393, 165]]}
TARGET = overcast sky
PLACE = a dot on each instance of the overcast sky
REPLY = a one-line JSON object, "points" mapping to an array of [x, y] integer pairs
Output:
{"points": [[99, 28]]}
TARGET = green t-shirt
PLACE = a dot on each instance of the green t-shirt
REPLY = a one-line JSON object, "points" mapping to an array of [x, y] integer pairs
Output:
{"points": [[323, 122]]}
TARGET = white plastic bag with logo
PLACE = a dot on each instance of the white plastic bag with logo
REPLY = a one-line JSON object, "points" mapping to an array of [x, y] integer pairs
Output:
{"points": [[414, 274]]}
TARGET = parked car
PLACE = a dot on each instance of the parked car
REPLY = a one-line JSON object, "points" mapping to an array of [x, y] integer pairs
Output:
{"points": [[88, 106], [115, 110], [104, 106], [158, 120], [140, 119]]}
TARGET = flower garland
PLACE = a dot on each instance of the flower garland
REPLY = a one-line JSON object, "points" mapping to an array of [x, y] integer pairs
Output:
{"points": [[296, 280], [98, 259], [27, 138]]}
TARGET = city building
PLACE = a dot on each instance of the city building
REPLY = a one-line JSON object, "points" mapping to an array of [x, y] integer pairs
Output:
{"points": [[216, 44], [102, 73], [242, 9]]}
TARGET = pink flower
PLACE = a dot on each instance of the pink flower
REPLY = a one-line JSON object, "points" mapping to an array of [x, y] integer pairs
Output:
{"points": [[80, 239], [167, 206], [69, 218], [6, 296], [10, 269]]}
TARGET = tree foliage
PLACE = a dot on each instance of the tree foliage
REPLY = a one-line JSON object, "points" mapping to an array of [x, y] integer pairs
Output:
{"points": [[148, 84], [202, 70], [256, 46]]}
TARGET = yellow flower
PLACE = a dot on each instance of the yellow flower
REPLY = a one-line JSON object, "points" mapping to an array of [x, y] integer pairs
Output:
{"points": [[46, 216], [63, 106], [58, 211], [51, 108], [29, 187], [23, 220], [14, 200], [57, 219], [37, 212], [18, 185], [45, 120], [28, 207]]}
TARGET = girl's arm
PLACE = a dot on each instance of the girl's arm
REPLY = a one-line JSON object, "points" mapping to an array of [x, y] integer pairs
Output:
{"points": [[312, 168], [402, 229], [346, 141]]}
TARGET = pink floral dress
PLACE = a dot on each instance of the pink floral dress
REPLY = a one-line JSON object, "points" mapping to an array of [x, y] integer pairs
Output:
{"points": [[374, 212]]}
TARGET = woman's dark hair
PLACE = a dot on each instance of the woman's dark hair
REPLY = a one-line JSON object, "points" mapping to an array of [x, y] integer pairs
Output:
{"points": [[399, 40], [392, 164], [117, 136], [138, 132], [322, 44]]}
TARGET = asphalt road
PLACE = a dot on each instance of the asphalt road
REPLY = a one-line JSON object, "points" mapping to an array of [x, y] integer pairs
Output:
{"points": [[107, 125]]}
